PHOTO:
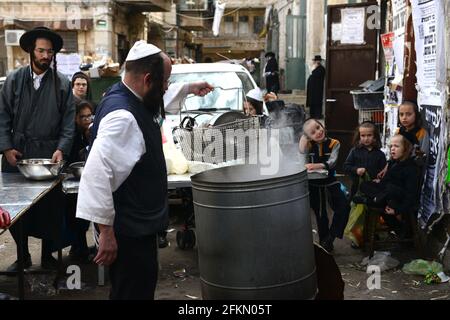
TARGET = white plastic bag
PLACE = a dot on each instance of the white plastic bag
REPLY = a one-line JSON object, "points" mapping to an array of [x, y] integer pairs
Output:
{"points": [[382, 259], [176, 163]]}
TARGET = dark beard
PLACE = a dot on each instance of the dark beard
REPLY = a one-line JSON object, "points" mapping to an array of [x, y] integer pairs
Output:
{"points": [[41, 66], [153, 101]]}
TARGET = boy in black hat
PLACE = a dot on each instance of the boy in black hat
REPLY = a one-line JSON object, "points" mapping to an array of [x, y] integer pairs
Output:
{"points": [[314, 93], [37, 121]]}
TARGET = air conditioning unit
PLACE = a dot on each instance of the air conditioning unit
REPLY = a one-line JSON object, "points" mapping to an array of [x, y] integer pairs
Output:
{"points": [[12, 37]]}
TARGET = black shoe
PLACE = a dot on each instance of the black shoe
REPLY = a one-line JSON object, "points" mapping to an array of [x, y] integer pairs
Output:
{"points": [[15, 266], [49, 263], [162, 242]]}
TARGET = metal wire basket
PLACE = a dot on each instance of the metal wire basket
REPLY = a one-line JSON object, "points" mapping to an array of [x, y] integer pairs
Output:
{"points": [[374, 115], [237, 140]]}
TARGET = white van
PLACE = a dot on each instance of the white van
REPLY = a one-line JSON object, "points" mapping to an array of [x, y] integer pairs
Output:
{"points": [[231, 82]]}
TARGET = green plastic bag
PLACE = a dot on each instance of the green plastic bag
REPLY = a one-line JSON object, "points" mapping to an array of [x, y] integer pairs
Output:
{"points": [[422, 267], [355, 226], [356, 221]]}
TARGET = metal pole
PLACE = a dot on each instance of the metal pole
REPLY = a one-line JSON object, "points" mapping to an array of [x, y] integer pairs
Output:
{"points": [[20, 280]]}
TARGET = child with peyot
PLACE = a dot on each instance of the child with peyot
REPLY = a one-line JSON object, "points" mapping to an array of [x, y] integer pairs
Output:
{"points": [[323, 153]]}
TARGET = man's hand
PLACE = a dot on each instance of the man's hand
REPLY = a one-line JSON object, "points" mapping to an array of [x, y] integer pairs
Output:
{"points": [[361, 171], [107, 250], [57, 156], [12, 156], [201, 88], [314, 166], [5, 219]]}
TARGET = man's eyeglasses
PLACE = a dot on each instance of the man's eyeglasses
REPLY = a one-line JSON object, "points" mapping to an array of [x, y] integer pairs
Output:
{"points": [[42, 50]]}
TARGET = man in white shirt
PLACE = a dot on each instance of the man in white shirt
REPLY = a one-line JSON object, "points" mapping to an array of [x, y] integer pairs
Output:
{"points": [[124, 184]]}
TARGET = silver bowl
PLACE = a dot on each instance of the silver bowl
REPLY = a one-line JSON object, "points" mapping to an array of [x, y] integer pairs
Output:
{"points": [[76, 169], [39, 169]]}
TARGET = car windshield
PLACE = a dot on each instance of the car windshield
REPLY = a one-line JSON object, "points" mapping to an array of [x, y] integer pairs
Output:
{"points": [[227, 95]]}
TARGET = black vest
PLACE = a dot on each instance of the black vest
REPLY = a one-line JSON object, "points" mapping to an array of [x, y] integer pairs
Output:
{"points": [[141, 202]]}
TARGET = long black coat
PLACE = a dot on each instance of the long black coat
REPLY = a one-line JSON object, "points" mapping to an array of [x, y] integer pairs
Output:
{"points": [[272, 80], [314, 93], [36, 122]]}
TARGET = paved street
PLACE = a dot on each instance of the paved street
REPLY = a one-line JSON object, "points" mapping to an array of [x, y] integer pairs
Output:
{"points": [[179, 276]]}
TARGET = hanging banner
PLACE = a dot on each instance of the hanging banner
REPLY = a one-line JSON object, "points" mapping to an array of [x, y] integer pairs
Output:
{"points": [[429, 30], [399, 27], [218, 14], [431, 190]]}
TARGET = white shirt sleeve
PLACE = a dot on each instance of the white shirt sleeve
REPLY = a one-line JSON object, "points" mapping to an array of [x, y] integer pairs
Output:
{"points": [[174, 96], [119, 145]]}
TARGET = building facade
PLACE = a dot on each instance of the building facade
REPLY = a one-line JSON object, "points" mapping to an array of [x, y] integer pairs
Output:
{"points": [[88, 27]]}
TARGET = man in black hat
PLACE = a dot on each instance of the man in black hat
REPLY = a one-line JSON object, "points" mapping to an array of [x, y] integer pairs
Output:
{"points": [[37, 121], [314, 93], [271, 73]]}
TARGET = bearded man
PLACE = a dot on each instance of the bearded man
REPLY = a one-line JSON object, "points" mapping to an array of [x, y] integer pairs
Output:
{"points": [[123, 188], [37, 121]]}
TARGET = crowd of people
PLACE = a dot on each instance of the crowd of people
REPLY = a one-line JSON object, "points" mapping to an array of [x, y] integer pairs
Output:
{"points": [[44, 115], [391, 185]]}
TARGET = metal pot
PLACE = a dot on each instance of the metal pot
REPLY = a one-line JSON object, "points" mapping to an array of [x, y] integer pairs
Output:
{"points": [[39, 169], [76, 169]]}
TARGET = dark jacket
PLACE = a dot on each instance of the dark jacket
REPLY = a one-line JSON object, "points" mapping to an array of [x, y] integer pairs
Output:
{"points": [[79, 150], [401, 183], [360, 157], [36, 122], [272, 80], [316, 82]]}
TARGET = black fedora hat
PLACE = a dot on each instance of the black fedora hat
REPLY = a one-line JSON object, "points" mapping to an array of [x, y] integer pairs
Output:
{"points": [[317, 58], [28, 38], [270, 54]]}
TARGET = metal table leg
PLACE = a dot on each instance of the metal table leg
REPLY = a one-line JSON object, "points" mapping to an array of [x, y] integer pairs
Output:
{"points": [[21, 278]]}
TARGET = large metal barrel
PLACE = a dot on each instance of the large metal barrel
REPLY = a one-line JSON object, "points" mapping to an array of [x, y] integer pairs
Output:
{"points": [[254, 234]]}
